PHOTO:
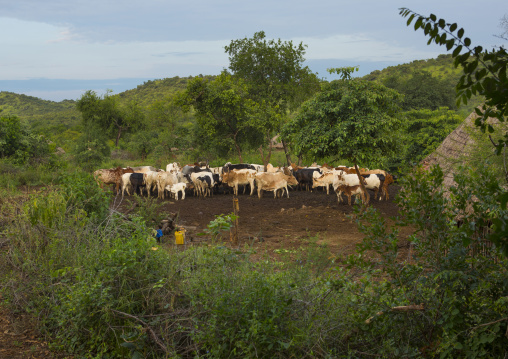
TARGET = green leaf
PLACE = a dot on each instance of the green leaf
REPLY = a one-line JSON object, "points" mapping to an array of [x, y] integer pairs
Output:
{"points": [[410, 19], [460, 33], [453, 27], [457, 51]]}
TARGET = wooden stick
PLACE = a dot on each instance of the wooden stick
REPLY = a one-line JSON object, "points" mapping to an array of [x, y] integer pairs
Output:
{"points": [[403, 308]]}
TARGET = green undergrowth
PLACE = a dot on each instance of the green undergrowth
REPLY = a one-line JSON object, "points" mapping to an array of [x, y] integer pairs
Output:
{"points": [[101, 287]]}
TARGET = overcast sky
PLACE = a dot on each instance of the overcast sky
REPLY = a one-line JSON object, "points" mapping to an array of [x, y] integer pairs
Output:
{"points": [[57, 49]]}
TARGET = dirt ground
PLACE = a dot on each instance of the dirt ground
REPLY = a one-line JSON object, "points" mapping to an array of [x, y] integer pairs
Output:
{"points": [[270, 225], [283, 223]]}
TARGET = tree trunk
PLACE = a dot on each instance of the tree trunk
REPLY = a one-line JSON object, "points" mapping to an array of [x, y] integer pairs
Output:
{"points": [[300, 159], [239, 153], [118, 136], [238, 149], [288, 156], [266, 160], [366, 195]]}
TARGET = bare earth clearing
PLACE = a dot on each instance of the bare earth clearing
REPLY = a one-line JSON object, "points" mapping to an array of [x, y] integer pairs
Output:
{"points": [[283, 223], [268, 224]]}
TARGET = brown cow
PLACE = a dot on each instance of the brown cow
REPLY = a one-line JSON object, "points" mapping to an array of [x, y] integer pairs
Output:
{"points": [[274, 181], [233, 178], [350, 191], [111, 176]]}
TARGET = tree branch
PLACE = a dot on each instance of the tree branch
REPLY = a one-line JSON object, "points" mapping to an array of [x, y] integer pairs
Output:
{"points": [[152, 333]]}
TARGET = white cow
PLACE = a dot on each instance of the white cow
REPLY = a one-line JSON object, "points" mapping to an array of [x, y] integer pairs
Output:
{"points": [[175, 166], [177, 188], [203, 183], [324, 180], [151, 180], [164, 179]]}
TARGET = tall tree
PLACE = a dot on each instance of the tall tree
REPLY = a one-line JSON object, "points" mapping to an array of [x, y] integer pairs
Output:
{"points": [[105, 113], [350, 119], [225, 112], [277, 79]]}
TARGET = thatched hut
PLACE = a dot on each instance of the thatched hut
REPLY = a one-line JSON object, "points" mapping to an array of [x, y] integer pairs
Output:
{"points": [[454, 150]]}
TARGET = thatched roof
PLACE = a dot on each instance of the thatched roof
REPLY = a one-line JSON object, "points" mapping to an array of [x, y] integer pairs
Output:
{"points": [[454, 150]]}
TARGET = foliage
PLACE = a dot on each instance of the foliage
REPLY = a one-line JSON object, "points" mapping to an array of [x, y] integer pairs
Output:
{"points": [[91, 149], [82, 193], [20, 144], [225, 112], [349, 119], [219, 225], [278, 81], [421, 132], [484, 73], [422, 91], [105, 113], [273, 69], [456, 285]]}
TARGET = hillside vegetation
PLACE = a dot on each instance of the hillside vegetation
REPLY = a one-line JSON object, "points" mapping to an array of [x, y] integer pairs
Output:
{"points": [[42, 113], [158, 123]]}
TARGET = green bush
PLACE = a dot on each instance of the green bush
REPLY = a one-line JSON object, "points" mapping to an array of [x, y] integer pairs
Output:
{"points": [[462, 290]]}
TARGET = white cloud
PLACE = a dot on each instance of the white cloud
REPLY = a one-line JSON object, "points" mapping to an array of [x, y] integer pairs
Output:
{"points": [[361, 47]]}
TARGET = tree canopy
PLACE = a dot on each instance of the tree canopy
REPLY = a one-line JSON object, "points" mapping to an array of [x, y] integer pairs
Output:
{"points": [[278, 81], [225, 112], [105, 113], [349, 119]]}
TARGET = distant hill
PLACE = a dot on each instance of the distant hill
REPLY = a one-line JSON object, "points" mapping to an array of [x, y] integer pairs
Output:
{"points": [[56, 117], [40, 113], [442, 68], [156, 90]]}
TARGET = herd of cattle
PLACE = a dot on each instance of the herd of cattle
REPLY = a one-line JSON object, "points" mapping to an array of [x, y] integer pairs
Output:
{"points": [[205, 181]]}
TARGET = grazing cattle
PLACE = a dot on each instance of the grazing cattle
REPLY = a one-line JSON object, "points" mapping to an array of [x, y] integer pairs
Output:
{"points": [[164, 179], [151, 181], [134, 180], [177, 188], [144, 169], [111, 176], [244, 177], [203, 183], [216, 170], [259, 168], [267, 181], [374, 182], [188, 170], [271, 169], [388, 180], [349, 191], [239, 166], [348, 180], [305, 176], [175, 166], [324, 180]]}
